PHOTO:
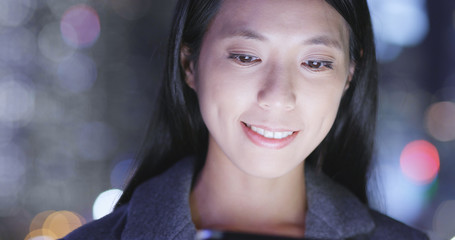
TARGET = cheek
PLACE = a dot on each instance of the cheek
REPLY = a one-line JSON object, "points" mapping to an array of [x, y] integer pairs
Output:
{"points": [[220, 98]]}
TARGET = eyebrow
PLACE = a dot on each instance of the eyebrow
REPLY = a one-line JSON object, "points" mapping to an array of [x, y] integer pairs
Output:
{"points": [[317, 40], [323, 40], [248, 34]]}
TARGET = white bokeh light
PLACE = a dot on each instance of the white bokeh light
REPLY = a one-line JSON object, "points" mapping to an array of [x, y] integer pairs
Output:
{"points": [[16, 12], [397, 24], [42, 238], [17, 100], [105, 202], [404, 200]]}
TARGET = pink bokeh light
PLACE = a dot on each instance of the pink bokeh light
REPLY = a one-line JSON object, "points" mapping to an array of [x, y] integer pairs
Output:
{"points": [[419, 161], [80, 26]]}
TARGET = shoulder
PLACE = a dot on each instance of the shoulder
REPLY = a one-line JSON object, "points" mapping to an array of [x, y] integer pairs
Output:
{"points": [[389, 228], [108, 227]]}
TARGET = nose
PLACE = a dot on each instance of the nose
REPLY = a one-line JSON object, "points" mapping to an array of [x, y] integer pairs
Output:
{"points": [[277, 92]]}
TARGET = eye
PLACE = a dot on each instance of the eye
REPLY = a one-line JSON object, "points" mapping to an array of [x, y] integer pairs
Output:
{"points": [[245, 59], [317, 65]]}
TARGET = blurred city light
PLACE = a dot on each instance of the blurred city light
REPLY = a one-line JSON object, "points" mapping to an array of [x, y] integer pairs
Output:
{"points": [[444, 220], [16, 12], [419, 161], [120, 173], [77, 73], [77, 84], [440, 121], [80, 26], [17, 100], [397, 24], [105, 202], [54, 224], [51, 43], [39, 219], [41, 234], [404, 199]]}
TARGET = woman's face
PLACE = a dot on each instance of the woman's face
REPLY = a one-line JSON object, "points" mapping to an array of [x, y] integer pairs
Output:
{"points": [[269, 79]]}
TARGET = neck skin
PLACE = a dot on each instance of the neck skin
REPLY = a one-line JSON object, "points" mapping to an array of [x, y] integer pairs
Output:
{"points": [[226, 198]]}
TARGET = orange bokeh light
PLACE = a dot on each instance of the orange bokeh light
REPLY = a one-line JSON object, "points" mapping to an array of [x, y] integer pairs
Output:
{"points": [[54, 224], [419, 161]]}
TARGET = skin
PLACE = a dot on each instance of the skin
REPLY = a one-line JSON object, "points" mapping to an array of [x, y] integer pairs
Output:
{"points": [[281, 65]]}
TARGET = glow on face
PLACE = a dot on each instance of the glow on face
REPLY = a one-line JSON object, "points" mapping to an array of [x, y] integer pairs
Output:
{"points": [[270, 78]]}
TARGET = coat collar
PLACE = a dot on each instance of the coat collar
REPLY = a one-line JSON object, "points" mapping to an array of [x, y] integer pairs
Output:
{"points": [[159, 208], [333, 211]]}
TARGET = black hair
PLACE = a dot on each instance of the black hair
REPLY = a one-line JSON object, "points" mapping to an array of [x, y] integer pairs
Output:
{"points": [[177, 129]]}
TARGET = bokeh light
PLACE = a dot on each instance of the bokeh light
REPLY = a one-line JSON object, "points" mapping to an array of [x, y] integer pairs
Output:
{"points": [[391, 37], [105, 202], [77, 73], [419, 161], [39, 219], [51, 43], [54, 224], [444, 220], [120, 173], [78, 79], [17, 100], [16, 12], [41, 234], [440, 121], [80, 26], [403, 199]]}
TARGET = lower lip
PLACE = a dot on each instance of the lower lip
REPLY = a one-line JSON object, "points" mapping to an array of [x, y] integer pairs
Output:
{"points": [[271, 143]]}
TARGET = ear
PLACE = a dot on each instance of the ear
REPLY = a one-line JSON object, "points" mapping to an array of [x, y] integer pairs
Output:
{"points": [[351, 73], [187, 65]]}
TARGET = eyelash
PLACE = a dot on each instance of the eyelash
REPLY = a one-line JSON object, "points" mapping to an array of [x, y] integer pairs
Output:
{"points": [[241, 59], [312, 65], [317, 65]]}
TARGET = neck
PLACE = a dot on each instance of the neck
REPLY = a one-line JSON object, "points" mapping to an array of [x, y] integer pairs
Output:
{"points": [[226, 198]]}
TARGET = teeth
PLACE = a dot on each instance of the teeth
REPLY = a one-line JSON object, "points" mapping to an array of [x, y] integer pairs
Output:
{"points": [[270, 134]]}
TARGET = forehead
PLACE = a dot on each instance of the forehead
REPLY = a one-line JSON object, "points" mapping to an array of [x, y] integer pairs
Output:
{"points": [[298, 20]]}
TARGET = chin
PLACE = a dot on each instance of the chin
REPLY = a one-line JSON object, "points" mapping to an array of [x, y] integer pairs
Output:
{"points": [[268, 169]]}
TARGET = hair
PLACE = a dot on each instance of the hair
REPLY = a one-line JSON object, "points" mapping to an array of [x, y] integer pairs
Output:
{"points": [[177, 129]]}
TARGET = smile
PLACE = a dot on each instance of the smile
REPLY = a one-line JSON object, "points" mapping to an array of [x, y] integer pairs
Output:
{"points": [[270, 134], [268, 138]]}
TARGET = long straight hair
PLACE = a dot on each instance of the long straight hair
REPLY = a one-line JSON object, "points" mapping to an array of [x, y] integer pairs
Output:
{"points": [[177, 129]]}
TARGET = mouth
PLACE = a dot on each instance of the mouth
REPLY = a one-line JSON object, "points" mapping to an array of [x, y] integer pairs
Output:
{"points": [[269, 134], [269, 138]]}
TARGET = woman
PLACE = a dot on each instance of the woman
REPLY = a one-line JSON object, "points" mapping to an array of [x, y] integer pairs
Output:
{"points": [[265, 125]]}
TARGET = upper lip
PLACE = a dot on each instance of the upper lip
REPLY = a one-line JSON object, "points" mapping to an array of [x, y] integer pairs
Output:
{"points": [[272, 129]]}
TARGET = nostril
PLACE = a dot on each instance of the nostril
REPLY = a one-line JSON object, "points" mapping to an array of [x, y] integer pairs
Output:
{"points": [[264, 105], [277, 100]]}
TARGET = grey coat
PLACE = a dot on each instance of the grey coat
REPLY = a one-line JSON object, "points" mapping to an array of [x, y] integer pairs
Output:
{"points": [[159, 209]]}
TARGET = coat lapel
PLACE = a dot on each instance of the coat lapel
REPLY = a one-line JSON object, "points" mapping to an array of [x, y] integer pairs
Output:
{"points": [[333, 211], [159, 208]]}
